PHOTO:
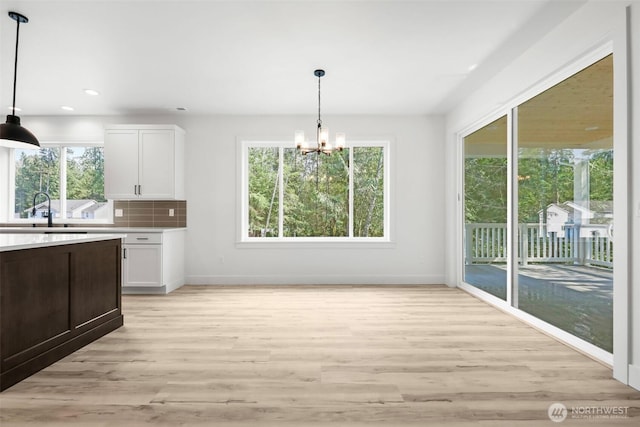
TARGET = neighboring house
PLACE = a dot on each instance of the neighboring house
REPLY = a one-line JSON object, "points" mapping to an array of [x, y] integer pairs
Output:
{"points": [[593, 218], [76, 209], [100, 210]]}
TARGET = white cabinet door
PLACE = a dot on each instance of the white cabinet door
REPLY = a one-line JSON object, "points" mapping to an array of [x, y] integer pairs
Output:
{"points": [[121, 164], [144, 162], [156, 164], [142, 265]]}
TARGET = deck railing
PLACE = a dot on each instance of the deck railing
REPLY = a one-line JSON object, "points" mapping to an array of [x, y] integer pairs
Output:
{"points": [[487, 243]]}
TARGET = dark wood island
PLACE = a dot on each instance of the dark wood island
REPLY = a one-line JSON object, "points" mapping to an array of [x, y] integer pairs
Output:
{"points": [[58, 293]]}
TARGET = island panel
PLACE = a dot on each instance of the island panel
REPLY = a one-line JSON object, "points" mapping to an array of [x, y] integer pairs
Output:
{"points": [[55, 300]]}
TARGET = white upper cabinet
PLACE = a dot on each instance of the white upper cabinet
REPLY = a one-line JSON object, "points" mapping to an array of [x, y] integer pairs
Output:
{"points": [[144, 162], [121, 164]]}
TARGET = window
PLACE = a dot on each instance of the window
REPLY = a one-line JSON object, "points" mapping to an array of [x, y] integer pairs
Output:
{"points": [[289, 196], [72, 176]]}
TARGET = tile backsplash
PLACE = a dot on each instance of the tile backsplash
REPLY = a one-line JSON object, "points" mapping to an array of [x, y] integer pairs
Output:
{"points": [[150, 213]]}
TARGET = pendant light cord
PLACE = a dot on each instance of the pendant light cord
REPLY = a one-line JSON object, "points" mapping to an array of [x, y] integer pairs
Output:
{"points": [[15, 69]]}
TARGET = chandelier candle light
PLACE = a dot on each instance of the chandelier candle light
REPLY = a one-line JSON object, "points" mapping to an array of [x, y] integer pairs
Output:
{"points": [[322, 135]]}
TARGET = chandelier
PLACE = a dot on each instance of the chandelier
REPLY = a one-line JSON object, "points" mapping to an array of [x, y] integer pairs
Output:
{"points": [[322, 135]]}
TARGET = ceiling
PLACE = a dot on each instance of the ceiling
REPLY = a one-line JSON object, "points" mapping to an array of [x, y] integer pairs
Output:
{"points": [[576, 113], [258, 57]]}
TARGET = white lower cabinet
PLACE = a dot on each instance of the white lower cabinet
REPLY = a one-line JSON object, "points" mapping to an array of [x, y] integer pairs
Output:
{"points": [[142, 265], [153, 262]]}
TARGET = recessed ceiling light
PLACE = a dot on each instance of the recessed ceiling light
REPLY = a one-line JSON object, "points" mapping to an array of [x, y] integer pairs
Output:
{"points": [[67, 108], [472, 67], [91, 92]]}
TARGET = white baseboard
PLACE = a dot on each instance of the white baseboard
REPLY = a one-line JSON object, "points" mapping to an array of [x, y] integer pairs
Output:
{"points": [[634, 376], [172, 286], [315, 280], [144, 290]]}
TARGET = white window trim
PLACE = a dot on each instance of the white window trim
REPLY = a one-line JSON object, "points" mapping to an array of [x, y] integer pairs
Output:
{"points": [[63, 184], [244, 240]]}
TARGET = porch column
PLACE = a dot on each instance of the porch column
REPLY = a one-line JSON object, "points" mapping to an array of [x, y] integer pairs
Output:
{"points": [[581, 196]]}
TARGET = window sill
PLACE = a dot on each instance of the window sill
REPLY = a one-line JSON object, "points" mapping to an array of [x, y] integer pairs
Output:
{"points": [[315, 242]]}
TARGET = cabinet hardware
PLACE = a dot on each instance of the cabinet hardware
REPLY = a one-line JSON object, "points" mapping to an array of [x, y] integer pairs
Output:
{"points": [[142, 238], [124, 250]]}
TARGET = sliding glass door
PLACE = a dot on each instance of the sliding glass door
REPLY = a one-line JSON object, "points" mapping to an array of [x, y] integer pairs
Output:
{"points": [[562, 204], [565, 205], [485, 208]]}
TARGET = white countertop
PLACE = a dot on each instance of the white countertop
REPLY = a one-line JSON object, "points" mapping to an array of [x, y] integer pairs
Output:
{"points": [[71, 230], [18, 241]]}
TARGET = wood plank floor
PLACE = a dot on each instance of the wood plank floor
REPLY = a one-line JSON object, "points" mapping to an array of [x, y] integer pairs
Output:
{"points": [[317, 355]]}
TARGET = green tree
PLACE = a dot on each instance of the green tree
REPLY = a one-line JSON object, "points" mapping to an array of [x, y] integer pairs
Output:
{"points": [[35, 172], [601, 175], [485, 190], [545, 176], [88, 184], [316, 192], [368, 200], [263, 188]]}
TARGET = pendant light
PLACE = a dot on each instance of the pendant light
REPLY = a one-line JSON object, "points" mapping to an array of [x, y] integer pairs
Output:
{"points": [[12, 134], [322, 135]]}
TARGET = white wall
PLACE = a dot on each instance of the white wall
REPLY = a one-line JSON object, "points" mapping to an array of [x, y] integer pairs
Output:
{"points": [[213, 255], [415, 256], [592, 26]]}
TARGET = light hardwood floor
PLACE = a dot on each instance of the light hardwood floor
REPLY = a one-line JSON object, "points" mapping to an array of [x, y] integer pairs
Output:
{"points": [[316, 355]]}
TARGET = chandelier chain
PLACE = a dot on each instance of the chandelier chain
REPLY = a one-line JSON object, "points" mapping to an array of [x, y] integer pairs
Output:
{"points": [[319, 119]]}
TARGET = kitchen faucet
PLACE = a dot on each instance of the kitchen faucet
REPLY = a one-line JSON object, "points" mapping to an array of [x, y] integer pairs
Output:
{"points": [[33, 212]]}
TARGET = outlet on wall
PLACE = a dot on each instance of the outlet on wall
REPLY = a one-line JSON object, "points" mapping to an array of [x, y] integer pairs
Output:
{"points": [[171, 212], [119, 212]]}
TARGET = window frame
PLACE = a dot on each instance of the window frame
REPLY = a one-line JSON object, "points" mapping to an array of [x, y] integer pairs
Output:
{"points": [[243, 199], [62, 175]]}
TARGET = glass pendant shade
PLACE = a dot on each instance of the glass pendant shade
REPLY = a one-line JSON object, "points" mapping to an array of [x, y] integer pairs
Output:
{"points": [[323, 137], [299, 138], [341, 140]]}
